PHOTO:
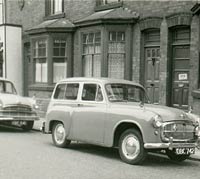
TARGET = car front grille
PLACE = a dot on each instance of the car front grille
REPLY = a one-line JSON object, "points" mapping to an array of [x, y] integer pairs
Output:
{"points": [[179, 131], [19, 108]]}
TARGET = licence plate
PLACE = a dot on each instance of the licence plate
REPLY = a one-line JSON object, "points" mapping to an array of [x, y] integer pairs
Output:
{"points": [[184, 151]]}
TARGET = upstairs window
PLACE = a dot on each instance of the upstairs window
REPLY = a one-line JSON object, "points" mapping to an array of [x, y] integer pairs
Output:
{"points": [[104, 2], [110, 1], [54, 7]]}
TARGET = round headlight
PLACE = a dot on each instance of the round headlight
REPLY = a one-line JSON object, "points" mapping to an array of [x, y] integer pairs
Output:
{"points": [[197, 131], [157, 121]]}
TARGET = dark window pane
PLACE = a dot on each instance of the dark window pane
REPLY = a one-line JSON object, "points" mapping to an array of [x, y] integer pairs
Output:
{"points": [[91, 38], [72, 91], [89, 92], [56, 52], [98, 37], [62, 52]]}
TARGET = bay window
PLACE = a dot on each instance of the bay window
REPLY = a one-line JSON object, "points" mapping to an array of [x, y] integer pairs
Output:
{"points": [[40, 60], [116, 54], [59, 59], [91, 54]]}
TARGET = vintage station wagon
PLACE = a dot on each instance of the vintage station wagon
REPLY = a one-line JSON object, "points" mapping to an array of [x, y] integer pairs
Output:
{"points": [[117, 113], [14, 109]]}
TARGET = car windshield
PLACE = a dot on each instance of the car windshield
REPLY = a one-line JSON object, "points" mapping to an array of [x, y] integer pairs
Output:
{"points": [[7, 87], [117, 92]]}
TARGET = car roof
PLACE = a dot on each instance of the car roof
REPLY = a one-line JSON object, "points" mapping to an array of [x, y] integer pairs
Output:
{"points": [[100, 80]]}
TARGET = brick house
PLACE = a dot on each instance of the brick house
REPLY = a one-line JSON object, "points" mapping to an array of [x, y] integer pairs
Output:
{"points": [[155, 43]]}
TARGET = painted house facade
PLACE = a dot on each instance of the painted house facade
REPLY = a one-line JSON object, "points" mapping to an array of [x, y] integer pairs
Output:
{"points": [[155, 43]]}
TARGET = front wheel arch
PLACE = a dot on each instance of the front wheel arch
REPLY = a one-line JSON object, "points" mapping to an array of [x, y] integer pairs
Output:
{"points": [[59, 135], [121, 128]]}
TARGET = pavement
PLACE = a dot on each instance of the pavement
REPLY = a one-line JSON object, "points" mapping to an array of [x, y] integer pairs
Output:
{"points": [[38, 124]]}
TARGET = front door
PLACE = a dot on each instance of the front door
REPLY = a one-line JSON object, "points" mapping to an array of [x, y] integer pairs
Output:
{"points": [[180, 78], [152, 68]]}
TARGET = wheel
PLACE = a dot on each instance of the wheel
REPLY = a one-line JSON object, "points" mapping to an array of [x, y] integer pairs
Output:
{"points": [[59, 135], [178, 158], [28, 126], [131, 147]]}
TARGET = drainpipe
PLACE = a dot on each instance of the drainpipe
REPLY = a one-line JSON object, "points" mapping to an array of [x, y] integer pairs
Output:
{"points": [[5, 44]]}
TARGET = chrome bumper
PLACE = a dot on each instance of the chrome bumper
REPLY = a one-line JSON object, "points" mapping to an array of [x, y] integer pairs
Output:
{"points": [[170, 145], [19, 118]]}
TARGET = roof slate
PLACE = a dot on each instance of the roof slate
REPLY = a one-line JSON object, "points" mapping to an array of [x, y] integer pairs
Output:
{"points": [[119, 13], [53, 24]]}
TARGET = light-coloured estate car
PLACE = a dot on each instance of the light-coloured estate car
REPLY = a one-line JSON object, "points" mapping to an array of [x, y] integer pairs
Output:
{"points": [[116, 113], [14, 109]]}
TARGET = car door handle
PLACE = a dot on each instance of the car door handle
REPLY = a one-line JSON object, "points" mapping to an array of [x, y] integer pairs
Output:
{"points": [[79, 105]]}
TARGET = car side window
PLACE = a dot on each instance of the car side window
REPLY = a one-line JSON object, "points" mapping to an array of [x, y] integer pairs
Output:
{"points": [[72, 91], [92, 92], [60, 91], [99, 95]]}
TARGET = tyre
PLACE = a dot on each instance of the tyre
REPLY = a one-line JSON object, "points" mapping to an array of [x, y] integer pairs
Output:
{"points": [[173, 156], [59, 135], [28, 126], [131, 147]]}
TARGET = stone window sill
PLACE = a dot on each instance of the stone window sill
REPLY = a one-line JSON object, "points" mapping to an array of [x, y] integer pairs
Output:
{"points": [[54, 16], [108, 6]]}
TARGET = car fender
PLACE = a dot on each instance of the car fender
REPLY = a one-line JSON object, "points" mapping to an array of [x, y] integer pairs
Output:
{"points": [[109, 140], [60, 114]]}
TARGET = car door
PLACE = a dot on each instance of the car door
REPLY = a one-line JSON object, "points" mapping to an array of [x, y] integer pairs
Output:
{"points": [[89, 116]]}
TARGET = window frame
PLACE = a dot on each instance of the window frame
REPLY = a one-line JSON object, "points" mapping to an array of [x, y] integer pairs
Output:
{"points": [[100, 5], [93, 54], [34, 58], [65, 89], [50, 11], [49, 58], [92, 101], [65, 57], [116, 42]]}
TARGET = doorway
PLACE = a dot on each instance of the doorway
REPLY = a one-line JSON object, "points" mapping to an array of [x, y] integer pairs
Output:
{"points": [[152, 64], [180, 64]]}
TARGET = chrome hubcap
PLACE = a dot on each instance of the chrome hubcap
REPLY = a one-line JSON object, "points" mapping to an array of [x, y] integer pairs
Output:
{"points": [[59, 134], [131, 147]]}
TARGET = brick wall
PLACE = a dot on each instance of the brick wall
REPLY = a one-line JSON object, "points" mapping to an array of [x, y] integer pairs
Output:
{"points": [[32, 13], [160, 11], [159, 8]]}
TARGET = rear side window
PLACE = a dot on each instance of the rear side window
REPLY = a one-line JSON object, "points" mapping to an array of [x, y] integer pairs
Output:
{"points": [[67, 91], [92, 92], [72, 91]]}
